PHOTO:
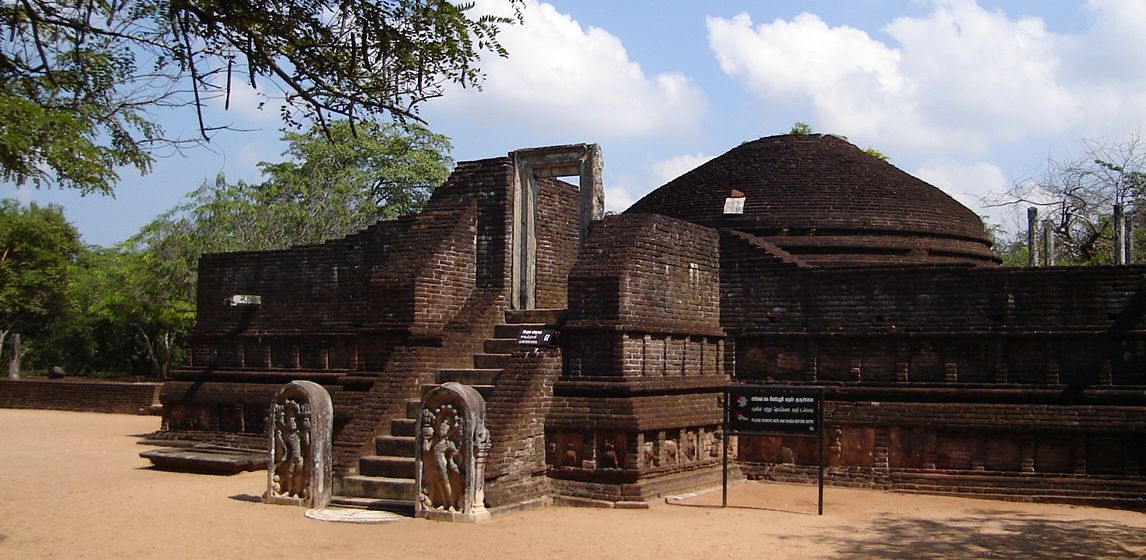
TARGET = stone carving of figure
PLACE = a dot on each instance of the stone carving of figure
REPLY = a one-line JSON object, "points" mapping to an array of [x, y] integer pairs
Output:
{"points": [[571, 458], [292, 444], [609, 456], [671, 452], [441, 455], [690, 446]]}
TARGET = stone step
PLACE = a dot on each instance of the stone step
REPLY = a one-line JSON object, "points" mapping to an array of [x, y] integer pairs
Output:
{"points": [[1048, 496], [401, 507], [386, 466], [491, 361], [376, 487], [1016, 491], [1011, 479], [413, 408], [403, 427], [484, 390], [535, 316], [500, 345], [394, 446], [514, 331], [357, 382], [469, 376]]}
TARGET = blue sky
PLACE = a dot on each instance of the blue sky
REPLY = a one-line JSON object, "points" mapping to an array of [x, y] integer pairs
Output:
{"points": [[971, 96]]}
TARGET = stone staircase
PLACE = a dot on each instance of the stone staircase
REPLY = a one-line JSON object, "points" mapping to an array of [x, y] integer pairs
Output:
{"points": [[1093, 490], [385, 480]]}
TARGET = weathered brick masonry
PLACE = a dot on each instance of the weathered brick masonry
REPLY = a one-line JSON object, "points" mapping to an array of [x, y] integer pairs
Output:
{"points": [[80, 395], [790, 260], [635, 413]]}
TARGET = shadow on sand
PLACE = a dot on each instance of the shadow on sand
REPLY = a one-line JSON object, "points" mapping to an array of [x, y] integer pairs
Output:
{"points": [[994, 534]]}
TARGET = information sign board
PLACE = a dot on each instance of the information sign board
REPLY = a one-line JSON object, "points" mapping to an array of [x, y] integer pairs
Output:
{"points": [[537, 337], [785, 410]]}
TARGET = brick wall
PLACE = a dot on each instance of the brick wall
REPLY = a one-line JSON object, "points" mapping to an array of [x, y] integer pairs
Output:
{"points": [[371, 316], [647, 272], [80, 395], [635, 412], [517, 409], [1070, 326], [935, 299], [945, 371], [558, 219]]}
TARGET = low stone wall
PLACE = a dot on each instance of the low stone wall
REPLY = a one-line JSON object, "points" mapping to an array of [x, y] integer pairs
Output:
{"points": [[78, 395]]}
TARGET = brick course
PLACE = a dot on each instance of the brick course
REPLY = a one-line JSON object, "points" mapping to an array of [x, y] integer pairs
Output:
{"points": [[80, 395]]}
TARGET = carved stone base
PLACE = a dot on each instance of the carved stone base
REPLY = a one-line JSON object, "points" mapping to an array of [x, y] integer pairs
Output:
{"points": [[478, 515]]}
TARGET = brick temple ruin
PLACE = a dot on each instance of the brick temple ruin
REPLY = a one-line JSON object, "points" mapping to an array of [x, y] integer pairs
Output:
{"points": [[790, 260]]}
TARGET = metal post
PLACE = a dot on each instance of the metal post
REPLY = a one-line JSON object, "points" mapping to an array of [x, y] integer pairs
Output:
{"points": [[821, 426], [724, 440]]}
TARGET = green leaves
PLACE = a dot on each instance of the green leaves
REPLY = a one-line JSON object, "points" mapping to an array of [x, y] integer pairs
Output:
{"points": [[78, 80], [62, 146], [37, 247]]}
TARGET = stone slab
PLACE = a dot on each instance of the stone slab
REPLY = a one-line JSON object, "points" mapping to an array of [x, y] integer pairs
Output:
{"points": [[206, 459], [348, 515]]}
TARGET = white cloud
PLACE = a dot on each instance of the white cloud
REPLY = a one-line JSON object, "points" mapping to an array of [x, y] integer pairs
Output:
{"points": [[669, 169], [969, 183], [961, 80], [618, 199], [249, 103], [576, 80]]}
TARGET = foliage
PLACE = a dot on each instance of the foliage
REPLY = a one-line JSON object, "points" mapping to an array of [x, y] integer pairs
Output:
{"points": [[78, 79], [876, 154], [37, 245], [1011, 250], [1078, 193], [362, 174], [801, 128], [117, 319], [328, 190]]}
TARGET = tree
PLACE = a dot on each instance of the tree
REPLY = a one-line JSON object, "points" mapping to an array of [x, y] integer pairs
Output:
{"points": [[37, 245], [107, 328], [79, 80], [1078, 193], [329, 189]]}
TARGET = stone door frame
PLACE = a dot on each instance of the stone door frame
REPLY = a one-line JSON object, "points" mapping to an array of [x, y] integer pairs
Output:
{"points": [[575, 160]]}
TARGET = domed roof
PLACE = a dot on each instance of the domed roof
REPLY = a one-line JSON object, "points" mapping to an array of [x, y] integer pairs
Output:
{"points": [[828, 202]]}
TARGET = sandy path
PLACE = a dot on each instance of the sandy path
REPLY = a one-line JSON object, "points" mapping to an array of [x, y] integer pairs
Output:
{"points": [[73, 486]]}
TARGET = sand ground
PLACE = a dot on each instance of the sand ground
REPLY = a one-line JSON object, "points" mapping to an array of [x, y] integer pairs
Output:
{"points": [[72, 486]]}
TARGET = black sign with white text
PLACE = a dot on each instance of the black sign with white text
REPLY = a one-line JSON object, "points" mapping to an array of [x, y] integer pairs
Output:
{"points": [[786, 410], [537, 337]]}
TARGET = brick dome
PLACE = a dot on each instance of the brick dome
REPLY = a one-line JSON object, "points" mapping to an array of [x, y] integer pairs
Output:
{"points": [[827, 202]]}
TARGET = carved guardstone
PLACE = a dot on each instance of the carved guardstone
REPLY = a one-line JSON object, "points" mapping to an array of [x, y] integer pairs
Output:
{"points": [[450, 462], [301, 423]]}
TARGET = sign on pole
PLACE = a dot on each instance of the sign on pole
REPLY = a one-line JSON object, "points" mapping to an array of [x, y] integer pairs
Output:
{"points": [[770, 410]]}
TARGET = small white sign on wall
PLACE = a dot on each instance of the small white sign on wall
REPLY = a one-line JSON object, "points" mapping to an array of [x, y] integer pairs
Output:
{"points": [[734, 204], [243, 299]]}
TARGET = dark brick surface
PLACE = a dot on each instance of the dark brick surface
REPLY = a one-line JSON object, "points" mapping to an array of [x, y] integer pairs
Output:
{"points": [[80, 395]]}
